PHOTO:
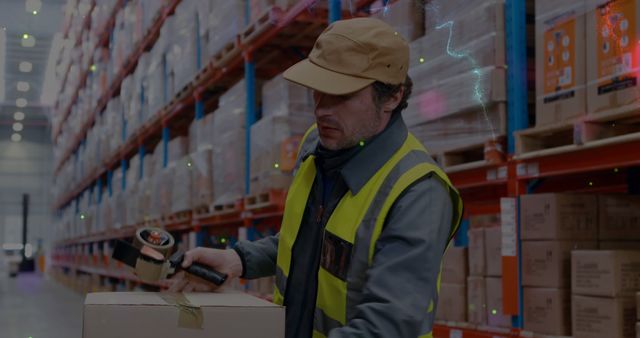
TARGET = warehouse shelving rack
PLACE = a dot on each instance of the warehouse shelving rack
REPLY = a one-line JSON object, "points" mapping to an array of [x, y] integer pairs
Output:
{"points": [[607, 166], [269, 39]]}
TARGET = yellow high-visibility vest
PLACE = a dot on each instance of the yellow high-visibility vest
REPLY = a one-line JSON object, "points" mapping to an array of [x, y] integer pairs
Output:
{"points": [[356, 223]]}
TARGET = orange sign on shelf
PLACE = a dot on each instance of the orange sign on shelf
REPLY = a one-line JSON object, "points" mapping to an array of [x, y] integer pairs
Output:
{"points": [[617, 45], [560, 55]]}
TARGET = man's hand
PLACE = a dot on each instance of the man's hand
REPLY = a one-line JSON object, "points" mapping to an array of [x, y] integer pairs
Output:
{"points": [[225, 261]]}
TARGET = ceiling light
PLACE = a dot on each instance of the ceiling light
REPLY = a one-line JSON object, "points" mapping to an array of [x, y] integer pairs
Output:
{"points": [[25, 66], [21, 103], [16, 137], [35, 12], [17, 126], [23, 86], [18, 116], [28, 42]]}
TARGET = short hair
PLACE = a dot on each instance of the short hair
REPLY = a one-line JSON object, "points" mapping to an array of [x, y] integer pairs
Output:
{"points": [[384, 91]]}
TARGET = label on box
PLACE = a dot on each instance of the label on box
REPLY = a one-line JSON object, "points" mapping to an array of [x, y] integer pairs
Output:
{"points": [[616, 36], [502, 173], [455, 334], [560, 55], [521, 169], [492, 175]]}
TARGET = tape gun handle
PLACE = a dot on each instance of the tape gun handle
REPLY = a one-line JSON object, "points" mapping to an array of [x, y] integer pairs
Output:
{"points": [[207, 273]]}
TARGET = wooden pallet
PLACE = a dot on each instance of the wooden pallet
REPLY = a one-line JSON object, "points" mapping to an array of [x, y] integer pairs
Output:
{"points": [[275, 197], [591, 130], [473, 155], [265, 21], [178, 217], [182, 93], [202, 75], [228, 52], [226, 208], [202, 211], [156, 223]]}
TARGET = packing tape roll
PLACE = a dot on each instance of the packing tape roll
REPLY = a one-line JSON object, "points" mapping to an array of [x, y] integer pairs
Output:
{"points": [[189, 315], [143, 238]]}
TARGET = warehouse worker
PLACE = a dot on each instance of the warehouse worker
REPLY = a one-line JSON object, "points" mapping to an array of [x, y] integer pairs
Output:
{"points": [[368, 215]]}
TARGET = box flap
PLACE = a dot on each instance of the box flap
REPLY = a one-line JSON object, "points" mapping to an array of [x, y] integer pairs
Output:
{"points": [[212, 299]]}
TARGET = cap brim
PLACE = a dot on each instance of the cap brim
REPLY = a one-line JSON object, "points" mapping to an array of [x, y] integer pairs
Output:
{"points": [[308, 74]]}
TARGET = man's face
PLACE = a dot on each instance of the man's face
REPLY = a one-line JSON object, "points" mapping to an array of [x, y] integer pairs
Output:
{"points": [[344, 121]]}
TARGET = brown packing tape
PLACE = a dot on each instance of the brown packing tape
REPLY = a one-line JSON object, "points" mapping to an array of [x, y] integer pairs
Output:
{"points": [[149, 271], [189, 315]]}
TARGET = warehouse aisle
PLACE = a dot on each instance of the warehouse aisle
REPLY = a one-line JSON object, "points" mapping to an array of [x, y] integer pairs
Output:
{"points": [[32, 306]]}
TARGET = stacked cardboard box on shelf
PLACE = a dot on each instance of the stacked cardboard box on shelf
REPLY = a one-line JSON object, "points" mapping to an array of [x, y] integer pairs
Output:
{"points": [[229, 145], [619, 221], [560, 61], [603, 286], [458, 70], [552, 226], [485, 267], [452, 298], [407, 17], [287, 114], [612, 55]]}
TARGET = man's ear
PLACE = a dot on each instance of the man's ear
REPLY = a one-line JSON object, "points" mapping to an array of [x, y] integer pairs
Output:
{"points": [[393, 101]]}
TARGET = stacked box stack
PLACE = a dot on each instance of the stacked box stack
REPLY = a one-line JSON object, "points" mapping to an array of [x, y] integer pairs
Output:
{"points": [[485, 267], [552, 226], [612, 57], [452, 298], [458, 70], [229, 145], [604, 284], [407, 17], [287, 114], [224, 23], [619, 222], [560, 61]]}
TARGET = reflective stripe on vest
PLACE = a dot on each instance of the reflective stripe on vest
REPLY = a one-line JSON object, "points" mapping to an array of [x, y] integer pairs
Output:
{"points": [[357, 223]]}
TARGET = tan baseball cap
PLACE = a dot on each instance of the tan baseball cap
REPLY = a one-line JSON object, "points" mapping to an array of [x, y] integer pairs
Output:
{"points": [[352, 54]]}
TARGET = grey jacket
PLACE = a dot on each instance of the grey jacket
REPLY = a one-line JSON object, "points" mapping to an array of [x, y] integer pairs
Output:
{"points": [[401, 283]]}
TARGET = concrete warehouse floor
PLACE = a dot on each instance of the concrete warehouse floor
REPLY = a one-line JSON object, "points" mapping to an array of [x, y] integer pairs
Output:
{"points": [[36, 307]]}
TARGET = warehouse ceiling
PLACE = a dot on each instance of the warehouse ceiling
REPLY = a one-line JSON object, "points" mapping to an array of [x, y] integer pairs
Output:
{"points": [[16, 57]]}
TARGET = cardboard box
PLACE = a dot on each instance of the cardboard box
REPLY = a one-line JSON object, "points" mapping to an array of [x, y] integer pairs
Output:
{"points": [[547, 311], [493, 251], [605, 273], [452, 302], [619, 217], [476, 300], [484, 221], [495, 316], [476, 252], [559, 216], [612, 80], [150, 314], [407, 17], [548, 263], [560, 61], [619, 245], [597, 317], [454, 266]]}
